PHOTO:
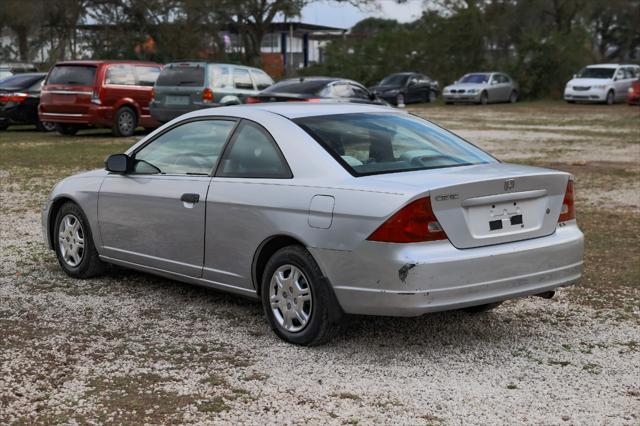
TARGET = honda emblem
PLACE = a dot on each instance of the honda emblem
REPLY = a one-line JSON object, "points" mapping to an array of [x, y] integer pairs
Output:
{"points": [[509, 184]]}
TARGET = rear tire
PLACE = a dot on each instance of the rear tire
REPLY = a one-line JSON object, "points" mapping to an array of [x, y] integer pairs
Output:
{"points": [[67, 129], [571, 102], [125, 122], [400, 100], [433, 96], [513, 98], [293, 287], [481, 308], [73, 243]]}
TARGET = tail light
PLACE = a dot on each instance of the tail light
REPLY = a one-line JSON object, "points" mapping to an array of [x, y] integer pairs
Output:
{"points": [[252, 100], [207, 95], [568, 211], [414, 223], [305, 100], [153, 94], [13, 97]]}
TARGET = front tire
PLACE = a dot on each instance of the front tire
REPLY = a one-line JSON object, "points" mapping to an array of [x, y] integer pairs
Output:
{"points": [[66, 129], [125, 122], [298, 302], [45, 126], [73, 243], [484, 98], [611, 98], [400, 100]]}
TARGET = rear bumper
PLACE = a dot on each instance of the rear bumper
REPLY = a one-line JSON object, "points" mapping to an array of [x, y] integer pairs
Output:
{"points": [[413, 279], [96, 115]]}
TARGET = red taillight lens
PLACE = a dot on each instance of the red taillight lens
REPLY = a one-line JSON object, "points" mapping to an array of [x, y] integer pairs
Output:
{"points": [[207, 95], [414, 223], [252, 100], [305, 100], [13, 97], [568, 211], [153, 94]]}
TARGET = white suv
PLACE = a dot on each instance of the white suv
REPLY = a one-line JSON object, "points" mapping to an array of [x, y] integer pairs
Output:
{"points": [[601, 83]]}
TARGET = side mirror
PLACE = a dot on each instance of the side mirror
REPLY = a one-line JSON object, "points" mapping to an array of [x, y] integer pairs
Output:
{"points": [[119, 163]]}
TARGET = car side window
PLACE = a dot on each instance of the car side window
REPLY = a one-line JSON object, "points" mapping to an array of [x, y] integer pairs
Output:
{"points": [[147, 76], [360, 92], [120, 75], [252, 153], [218, 76], [190, 148], [242, 79]]}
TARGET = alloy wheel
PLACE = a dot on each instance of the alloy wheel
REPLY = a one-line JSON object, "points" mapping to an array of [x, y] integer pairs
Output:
{"points": [[71, 240], [125, 122], [290, 298]]}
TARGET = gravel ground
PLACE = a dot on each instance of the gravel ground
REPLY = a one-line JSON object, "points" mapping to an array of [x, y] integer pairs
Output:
{"points": [[133, 348]]}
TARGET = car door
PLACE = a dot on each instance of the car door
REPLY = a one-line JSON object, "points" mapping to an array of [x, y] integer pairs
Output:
{"points": [[155, 215], [620, 84], [500, 87], [244, 204]]}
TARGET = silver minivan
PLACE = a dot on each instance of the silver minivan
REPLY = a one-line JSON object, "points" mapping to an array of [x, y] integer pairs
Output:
{"points": [[188, 86]]}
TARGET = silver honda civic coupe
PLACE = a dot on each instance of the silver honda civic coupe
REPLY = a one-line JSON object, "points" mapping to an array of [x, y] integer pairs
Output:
{"points": [[321, 210]]}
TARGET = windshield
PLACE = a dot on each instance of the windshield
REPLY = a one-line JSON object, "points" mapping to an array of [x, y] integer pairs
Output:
{"points": [[72, 74], [182, 75], [596, 73], [374, 143], [395, 80], [475, 78]]}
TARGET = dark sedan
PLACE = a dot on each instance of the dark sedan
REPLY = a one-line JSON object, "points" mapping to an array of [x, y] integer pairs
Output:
{"points": [[406, 87], [19, 99], [316, 89]]}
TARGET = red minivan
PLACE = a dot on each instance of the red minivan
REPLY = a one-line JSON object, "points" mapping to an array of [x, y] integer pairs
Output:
{"points": [[113, 94]]}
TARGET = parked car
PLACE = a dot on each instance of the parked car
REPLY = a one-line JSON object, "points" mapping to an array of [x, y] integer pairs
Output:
{"points": [[608, 83], [187, 86], [112, 94], [321, 209], [13, 68], [405, 88], [316, 89], [633, 98], [482, 88], [19, 98]]}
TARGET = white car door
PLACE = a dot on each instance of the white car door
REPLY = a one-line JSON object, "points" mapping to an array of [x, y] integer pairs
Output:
{"points": [[620, 83]]}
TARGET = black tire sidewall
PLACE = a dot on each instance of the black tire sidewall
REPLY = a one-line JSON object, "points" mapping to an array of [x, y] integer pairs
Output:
{"points": [[514, 97], [66, 129], [321, 295], [90, 255], [484, 98], [611, 98]]}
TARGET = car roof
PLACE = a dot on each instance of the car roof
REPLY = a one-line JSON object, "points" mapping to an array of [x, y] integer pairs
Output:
{"points": [[224, 64], [610, 65], [294, 110], [105, 62]]}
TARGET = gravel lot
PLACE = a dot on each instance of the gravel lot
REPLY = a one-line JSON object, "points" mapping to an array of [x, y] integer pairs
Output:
{"points": [[133, 348]]}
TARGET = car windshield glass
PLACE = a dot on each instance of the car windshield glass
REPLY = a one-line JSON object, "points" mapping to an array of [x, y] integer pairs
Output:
{"points": [[475, 78], [181, 75], [309, 87], [72, 74], [20, 80], [394, 80], [373, 143], [596, 73]]}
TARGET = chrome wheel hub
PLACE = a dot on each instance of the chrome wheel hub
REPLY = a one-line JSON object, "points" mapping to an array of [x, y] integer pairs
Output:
{"points": [[71, 240], [290, 298]]}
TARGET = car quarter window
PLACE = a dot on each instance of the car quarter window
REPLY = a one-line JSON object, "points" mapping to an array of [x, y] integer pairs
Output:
{"points": [[218, 76], [189, 148], [121, 75], [252, 153], [360, 92], [147, 76], [242, 79], [262, 79]]}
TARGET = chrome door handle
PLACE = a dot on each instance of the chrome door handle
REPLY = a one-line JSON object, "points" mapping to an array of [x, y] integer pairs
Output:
{"points": [[190, 198]]}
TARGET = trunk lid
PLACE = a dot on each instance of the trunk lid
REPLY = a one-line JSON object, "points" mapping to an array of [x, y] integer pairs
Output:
{"points": [[489, 204], [180, 85]]}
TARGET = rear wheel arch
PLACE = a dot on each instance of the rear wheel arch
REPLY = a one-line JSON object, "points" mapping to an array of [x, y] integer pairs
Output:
{"points": [[265, 251]]}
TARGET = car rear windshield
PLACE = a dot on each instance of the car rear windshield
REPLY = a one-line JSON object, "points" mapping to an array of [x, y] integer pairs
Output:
{"points": [[182, 75], [475, 78], [375, 143], [310, 87], [596, 73], [72, 74], [395, 80]]}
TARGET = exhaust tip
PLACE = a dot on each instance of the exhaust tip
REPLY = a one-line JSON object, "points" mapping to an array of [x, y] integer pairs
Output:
{"points": [[546, 294]]}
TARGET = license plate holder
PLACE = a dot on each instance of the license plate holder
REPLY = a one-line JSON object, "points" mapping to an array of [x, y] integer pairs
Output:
{"points": [[177, 100]]}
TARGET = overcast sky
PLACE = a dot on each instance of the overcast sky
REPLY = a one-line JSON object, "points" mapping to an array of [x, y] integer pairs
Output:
{"points": [[335, 14]]}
